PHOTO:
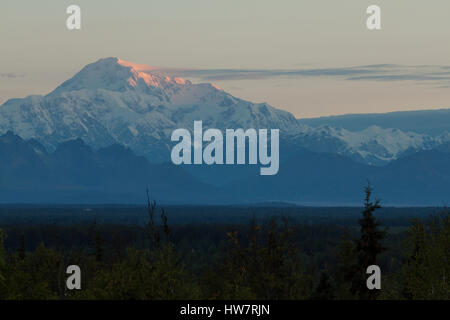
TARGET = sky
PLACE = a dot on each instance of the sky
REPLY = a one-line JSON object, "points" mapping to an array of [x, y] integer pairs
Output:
{"points": [[310, 57]]}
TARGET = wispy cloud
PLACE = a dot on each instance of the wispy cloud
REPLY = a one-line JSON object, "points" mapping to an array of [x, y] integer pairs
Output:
{"points": [[434, 75], [11, 75]]}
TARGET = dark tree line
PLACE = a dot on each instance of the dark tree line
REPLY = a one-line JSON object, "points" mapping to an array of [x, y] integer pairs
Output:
{"points": [[273, 259]]}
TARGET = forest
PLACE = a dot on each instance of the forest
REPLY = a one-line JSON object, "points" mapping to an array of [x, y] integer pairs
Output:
{"points": [[266, 252]]}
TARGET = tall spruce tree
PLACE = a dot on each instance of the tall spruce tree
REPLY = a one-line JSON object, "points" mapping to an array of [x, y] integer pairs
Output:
{"points": [[368, 246]]}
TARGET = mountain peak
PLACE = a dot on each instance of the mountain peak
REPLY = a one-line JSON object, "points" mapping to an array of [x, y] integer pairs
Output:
{"points": [[115, 74], [135, 66]]}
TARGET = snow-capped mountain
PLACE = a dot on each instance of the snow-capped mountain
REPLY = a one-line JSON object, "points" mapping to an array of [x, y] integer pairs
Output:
{"points": [[373, 145], [114, 101]]}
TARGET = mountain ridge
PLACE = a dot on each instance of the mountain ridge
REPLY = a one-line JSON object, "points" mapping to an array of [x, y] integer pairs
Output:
{"points": [[431, 122], [74, 173], [136, 114], [115, 101]]}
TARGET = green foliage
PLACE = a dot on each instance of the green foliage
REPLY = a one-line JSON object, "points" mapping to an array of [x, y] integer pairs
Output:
{"points": [[346, 262], [151, 274], [143, 274], [37, 276], [427, 271], [264, 260], [22, 247], [98, 247], [3, 287], [325, 289], [268, 267]]}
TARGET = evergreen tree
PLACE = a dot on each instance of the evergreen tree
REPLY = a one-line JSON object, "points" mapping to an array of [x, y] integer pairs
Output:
{"points": [[346, 263], [427, 269], [98, 247], [3, 287], [368, 246], [325, 289], [22, 247]]}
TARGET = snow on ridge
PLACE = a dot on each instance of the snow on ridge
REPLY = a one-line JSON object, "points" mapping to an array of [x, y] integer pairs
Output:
{"points": [[111, 101], [373, 145], [118, 75], [396, 141], [115, 101]]}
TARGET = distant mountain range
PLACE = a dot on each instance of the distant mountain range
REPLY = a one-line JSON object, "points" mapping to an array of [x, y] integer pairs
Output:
{"points": [[104, 136], [429, 122], [75, 173]]}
